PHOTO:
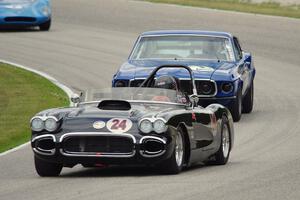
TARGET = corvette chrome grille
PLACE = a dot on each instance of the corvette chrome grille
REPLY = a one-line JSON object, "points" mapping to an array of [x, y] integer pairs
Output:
{"points": [[98, 145]]}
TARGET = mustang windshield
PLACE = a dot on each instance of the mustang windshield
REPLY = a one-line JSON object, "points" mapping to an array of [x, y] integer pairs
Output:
{"points": [[183, 47], [133, 94]]}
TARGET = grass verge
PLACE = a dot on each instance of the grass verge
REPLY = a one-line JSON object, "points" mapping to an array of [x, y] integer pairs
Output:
{"points": [[23, 94], [268, 8]]}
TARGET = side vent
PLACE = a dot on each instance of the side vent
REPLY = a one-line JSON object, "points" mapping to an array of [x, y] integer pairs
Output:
{"points": [[114, 105]]}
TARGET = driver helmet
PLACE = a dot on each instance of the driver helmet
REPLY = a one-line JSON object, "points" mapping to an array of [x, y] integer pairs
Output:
{"points": [[166, 82]]}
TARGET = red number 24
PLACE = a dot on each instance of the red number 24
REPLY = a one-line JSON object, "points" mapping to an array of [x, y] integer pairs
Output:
{"points": [[117, 124]]}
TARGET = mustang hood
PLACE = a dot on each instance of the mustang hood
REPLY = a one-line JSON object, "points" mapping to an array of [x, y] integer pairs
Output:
{"points": [[141, 69]]}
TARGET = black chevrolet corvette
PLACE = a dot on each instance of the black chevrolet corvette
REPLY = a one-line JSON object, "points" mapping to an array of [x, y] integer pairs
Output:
{"points": [[153, 125]]}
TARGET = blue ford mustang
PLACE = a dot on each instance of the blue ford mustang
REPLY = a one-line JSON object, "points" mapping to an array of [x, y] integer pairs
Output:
{"points": [[224, 73], [26, 13]]}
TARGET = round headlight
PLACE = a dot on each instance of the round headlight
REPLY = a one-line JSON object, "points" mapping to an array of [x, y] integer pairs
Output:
{"points": [[146, 126], [159, 126], [227, 87], [37, 124], [120, 84], [46, 11], [206, 88], [50, 124]]}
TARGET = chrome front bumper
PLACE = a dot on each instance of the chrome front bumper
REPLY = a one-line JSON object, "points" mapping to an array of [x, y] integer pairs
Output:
{"points": [[147, 146]]}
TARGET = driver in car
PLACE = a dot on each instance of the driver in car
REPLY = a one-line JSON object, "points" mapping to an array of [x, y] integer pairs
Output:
{"points": [[171, 83]]}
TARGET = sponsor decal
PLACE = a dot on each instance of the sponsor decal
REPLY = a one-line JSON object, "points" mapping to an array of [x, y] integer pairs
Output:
{"points": [[99, 124], [194, 117], [119, 125], [201, 68], [16, 7]]}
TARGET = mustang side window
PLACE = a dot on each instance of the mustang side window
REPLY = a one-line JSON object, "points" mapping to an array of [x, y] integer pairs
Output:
{"points": [[237, 49]]}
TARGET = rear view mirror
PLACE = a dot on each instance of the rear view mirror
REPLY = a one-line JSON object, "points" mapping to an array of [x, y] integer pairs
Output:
{"points": [[194, 99], [75, 99]]}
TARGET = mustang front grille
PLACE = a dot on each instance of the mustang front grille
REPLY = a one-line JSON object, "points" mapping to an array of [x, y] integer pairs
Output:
{"points": [[136, 82], [205, 88], [98, 145]]}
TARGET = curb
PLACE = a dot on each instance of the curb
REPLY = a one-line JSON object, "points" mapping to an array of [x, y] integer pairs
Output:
{"points": [[66, 89]]}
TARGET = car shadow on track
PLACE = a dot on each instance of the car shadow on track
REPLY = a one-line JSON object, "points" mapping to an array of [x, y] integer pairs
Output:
{"points": [[113, 171], [120, 171], [18, 29]]}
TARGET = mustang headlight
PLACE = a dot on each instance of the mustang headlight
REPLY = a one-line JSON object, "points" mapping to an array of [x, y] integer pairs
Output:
{"points": [[37, 124], [206, 88], [159, 126], [146, 126], [227, 87], [51, 124]]}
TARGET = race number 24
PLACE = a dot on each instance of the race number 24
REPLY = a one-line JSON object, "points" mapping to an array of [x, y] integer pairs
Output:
{"points": [[120, 125]]}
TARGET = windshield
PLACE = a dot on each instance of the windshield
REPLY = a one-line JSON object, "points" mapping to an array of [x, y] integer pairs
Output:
{"points": [[133, 94], [183, 47]]}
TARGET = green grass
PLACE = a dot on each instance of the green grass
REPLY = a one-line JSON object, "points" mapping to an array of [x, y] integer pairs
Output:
{"points": [[241, 6], [23, 94]]}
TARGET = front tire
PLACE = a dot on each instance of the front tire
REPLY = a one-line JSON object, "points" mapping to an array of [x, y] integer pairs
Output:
{"points": [[47, 169], [222, 155], [236, 107], [248, 100], [174, 164], [45, 26]]}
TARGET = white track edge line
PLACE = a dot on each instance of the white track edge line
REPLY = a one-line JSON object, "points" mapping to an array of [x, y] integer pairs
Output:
{"points": [[66, 89]]}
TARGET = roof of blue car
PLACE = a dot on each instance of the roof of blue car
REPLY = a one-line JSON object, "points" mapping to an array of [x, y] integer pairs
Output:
{"points": [[190, 32]]}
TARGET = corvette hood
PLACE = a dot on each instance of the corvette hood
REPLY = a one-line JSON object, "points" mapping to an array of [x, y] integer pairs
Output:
{"points": [[141, 69], [83, 119], [135, 112]]}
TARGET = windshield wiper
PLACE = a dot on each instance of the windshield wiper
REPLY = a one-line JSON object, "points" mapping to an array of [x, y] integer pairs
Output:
{"points": [[218, 59]]}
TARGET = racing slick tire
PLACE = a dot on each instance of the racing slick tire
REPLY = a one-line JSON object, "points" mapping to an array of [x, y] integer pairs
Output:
{"points": [[248, 100], [45, 26], [236, 107], [222, 155], [175, 163], [47, 169]]}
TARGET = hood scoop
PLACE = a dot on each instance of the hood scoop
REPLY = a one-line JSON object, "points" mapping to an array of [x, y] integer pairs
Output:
{"points": [[114, 105]]}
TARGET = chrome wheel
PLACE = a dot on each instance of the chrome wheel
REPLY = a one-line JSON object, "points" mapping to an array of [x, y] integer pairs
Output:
{"points": [[225, 141], [178, 149]]}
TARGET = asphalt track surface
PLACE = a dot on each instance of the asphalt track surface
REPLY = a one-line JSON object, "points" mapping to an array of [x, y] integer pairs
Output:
{"points": [[88, 42]]}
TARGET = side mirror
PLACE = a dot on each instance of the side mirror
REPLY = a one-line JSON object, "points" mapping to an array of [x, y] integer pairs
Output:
{"points": [[246, 55], [75, 99], [194, 99]]}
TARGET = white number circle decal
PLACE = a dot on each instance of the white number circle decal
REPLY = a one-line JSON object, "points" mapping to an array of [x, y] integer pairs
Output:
{"points": [[99, 124], [119, 125]]}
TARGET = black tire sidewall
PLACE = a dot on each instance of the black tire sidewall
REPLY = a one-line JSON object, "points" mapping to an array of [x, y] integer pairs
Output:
{"points": [[219, 156], [236, 107], [45, 26], [47, 169], [248, 100], [170, 166]]}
